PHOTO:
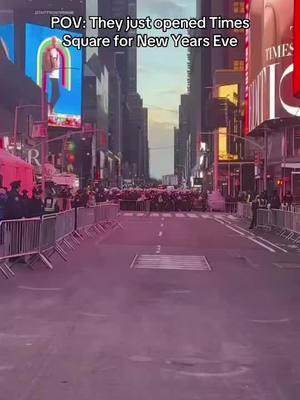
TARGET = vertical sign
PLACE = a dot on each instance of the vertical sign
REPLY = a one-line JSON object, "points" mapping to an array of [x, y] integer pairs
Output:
{"points": [[297, 48], [247, 56]]}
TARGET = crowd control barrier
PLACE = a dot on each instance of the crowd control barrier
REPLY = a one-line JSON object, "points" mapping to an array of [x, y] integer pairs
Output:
{"points": [[244, 210], [286, 223], [39, 238]]}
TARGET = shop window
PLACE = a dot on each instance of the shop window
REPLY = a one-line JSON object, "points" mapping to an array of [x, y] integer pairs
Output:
{"points": [[239, 65], [239, 7]]}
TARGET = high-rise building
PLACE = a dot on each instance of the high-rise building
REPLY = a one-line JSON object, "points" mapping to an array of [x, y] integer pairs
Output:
{"points": [[216, 87]]}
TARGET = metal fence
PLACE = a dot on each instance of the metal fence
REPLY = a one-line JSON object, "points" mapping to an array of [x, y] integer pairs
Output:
{"points": [[39, 238]]}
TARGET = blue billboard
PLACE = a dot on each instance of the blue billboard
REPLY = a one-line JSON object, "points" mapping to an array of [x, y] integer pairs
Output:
{"points": [[58, 70], [7, 40]]}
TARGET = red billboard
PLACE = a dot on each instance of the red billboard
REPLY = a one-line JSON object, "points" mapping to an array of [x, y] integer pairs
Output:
{"points": [[270, 62], [297, 49]]}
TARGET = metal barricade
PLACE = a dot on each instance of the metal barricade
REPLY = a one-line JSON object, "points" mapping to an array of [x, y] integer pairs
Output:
{"points": [[18, 238], [128, 205], [244, 210], [264, 218]]}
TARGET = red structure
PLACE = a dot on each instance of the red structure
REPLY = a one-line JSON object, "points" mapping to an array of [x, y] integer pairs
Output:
{"points": [[297, 49]]}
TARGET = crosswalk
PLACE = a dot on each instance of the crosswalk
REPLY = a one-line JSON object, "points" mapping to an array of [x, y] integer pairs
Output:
{"points": [[189, 215], [171, 262]]}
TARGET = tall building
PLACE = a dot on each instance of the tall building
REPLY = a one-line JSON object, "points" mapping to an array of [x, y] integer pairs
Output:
{"points": [[181, 138], [216, 88]]}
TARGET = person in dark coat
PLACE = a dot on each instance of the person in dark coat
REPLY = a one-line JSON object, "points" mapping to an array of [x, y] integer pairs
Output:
{"points": [[254, 206], [25, 200], [14, 208], [275, 201], [36, 205], [3, 199]]}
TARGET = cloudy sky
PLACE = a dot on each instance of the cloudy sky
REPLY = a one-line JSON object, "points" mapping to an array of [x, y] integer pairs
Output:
{"points": [[162, 78]]}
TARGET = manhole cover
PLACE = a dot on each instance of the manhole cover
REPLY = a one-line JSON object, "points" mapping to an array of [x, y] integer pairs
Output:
{"points": [[171, 262]]}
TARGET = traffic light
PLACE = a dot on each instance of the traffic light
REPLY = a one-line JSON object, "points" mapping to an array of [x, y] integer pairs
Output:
{"points": [[280, 182]]}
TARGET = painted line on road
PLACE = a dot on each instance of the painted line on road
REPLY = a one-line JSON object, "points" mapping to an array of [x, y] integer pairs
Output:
{"points": [[167, 215], [154, 215], [158, 249], [133, 261], [192, 215], [128, 214], [263, 239], [271, 250], [162, 225], [271, 321], [41, 289], [179, 215], [160, 234]]}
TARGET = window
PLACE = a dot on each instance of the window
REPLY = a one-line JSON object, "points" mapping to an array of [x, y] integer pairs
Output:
{"points": [[239, 65], [240, 30], [239, 7]]}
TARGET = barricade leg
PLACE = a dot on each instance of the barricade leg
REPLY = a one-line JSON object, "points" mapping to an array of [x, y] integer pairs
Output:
{"points": [[3, 271], [46, 261]]}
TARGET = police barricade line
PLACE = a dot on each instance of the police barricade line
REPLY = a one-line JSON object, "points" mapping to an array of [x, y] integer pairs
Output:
{"points": [[18, 238], [39, 238]]}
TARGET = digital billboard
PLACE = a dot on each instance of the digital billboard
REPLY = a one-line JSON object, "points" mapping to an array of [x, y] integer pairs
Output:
{"points": [[7, 41], [58, 70], [270, 62], [297, 49]]}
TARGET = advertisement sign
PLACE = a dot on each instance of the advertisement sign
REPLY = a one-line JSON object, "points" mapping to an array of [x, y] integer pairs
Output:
{"points": [[58, 70], [297, 49], [270, 62], [7, 41]]}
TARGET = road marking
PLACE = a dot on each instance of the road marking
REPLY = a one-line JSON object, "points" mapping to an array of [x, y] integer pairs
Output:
{"points": [[93, 315], [165, 215], [179, 215], [205, 216], [271, 321], [263, 239], [193, 215], [172, 262], [160, 234], [158, 249], [140, 215], [271, 250], [230, 216], [162, 225], [41, 289], [237, 372], [133, 261], [154, 215], [128, 214]]}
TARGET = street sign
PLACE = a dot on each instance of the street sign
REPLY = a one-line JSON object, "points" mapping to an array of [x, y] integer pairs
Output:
{"points": [[38, 130]]}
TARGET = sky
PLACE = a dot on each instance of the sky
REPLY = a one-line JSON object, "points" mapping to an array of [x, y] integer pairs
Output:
{"points": [[162, 78]]}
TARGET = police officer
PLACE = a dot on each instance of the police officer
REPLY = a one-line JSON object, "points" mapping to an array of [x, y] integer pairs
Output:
{"points": [[14, 207], [50, 204]]}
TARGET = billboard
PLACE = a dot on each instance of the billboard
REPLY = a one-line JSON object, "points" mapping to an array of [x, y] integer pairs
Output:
{"points": [[58, 70], [297, 49], [269, 62], [7, 41]]}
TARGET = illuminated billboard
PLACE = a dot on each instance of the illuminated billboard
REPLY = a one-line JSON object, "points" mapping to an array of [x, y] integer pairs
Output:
{"points": [[297, 49], [7, 41], [58, 70], [269, 62]]}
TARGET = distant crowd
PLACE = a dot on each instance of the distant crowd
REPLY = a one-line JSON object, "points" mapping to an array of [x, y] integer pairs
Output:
{"points": [[17, 204]]}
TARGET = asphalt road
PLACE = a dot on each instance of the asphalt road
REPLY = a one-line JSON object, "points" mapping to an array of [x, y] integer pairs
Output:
{"points": [[139, 315]]}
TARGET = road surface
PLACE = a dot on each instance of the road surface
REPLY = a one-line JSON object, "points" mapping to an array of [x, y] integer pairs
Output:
{"points": [[172, 307]]}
